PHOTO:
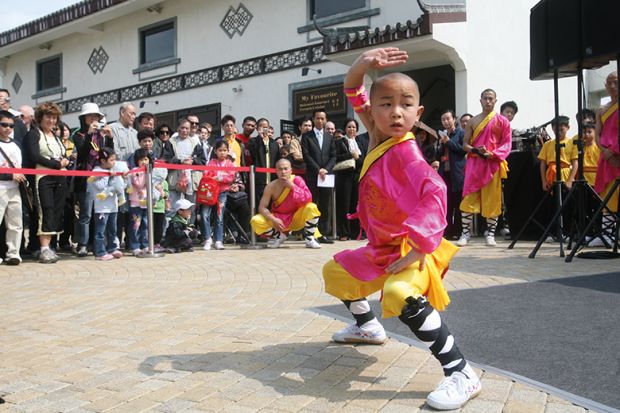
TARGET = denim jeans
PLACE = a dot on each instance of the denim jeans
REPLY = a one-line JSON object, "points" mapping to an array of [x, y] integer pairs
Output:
{"points": [[106, 240], [205, 213], [138, 233], [86, 201]]}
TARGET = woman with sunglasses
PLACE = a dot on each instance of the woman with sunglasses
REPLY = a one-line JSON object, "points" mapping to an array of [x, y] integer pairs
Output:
{"points": [[162, 147]]}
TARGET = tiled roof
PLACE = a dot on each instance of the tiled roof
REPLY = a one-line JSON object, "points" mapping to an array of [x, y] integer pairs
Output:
{"points": [[58, 18], [365, 38]]}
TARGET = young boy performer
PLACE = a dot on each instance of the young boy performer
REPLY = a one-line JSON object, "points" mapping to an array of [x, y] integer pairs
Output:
{"points": [[487, 142], [291, 209], [609, 162], [402, 207]]}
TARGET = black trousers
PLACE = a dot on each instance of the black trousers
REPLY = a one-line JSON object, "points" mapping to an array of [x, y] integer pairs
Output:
{"points": [[322, 197], [454, 216], [51, 193], [346, 203]]}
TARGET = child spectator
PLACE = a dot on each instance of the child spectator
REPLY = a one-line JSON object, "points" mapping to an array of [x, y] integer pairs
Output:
{"points": [[224, 178], [180, 235], [138, 235], [10, 198], [159, 216], [107, 246]]}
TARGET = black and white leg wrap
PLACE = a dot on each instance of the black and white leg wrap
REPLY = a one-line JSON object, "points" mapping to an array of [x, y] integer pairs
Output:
{"points": [[361, 311], [425, 322], [310, 228]]}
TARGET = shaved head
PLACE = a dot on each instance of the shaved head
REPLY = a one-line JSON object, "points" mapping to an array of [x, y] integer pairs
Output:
{"points": [[395, 80], [283, 161]]}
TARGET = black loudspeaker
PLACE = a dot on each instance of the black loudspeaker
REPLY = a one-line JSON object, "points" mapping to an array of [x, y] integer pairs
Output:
{"points": [[600, 38], [563, 34], [538, 41], [566, 34]]}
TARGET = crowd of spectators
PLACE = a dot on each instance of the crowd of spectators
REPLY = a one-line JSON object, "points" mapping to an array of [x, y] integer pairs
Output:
{"points": [[106, 215], [80, 215]]}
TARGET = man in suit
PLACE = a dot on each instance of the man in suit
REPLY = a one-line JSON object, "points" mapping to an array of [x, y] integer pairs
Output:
{"points": [[319, 152]]}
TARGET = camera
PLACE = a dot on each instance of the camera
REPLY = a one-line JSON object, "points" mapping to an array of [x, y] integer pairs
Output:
{"points": [[101, 124]]}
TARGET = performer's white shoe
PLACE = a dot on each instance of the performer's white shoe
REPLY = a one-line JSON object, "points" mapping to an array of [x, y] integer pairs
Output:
{"points": [[276, 242], [353, 334], [463, 240], [454, 391], [598, 242], [490, 240], [312, 243]]}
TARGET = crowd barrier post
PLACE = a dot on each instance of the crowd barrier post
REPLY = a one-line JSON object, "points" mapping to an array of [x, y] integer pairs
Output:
{"points": [[252, 178], [333, 217], [149, 214]]}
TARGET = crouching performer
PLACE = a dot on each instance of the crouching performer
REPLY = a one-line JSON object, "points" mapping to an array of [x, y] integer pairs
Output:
{"points": [[291, 209], [402, 208]]}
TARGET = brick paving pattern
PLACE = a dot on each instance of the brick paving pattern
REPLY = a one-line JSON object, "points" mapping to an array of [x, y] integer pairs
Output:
{"points": [[230, 331]]}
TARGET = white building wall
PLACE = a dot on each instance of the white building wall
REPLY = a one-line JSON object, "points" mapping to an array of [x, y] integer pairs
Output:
{"points": [[490, 49]]}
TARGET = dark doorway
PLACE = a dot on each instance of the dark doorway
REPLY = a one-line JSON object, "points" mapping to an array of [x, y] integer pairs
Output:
{"points": [[208, 113], [436, 92]]}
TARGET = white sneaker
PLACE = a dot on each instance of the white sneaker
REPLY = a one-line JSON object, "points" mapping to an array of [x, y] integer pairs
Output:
{"points": [[312, 243], [597, 241], [353, 334], [490, 240], [219, 245], [276, 242], [454, 391], [504, 231], [207, 246], [463, 240]]}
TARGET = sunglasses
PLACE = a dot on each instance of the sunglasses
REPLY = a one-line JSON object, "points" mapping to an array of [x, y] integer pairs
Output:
{"points": [[164, 132], [7, 125], [194, 123], [5, 99]]}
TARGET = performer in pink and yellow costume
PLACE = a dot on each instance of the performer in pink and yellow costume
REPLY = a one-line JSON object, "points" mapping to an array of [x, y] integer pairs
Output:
{"points": [[402, 205], [609, 162], [487, 142]]}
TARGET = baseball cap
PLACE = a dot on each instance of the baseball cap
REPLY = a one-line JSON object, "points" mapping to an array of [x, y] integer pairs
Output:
{"points": [[182, 204]]}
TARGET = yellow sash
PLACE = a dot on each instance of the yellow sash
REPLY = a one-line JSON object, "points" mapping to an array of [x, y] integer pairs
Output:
{"points": [[609, 112], [379, 150], [481, 126], [283, 195]]}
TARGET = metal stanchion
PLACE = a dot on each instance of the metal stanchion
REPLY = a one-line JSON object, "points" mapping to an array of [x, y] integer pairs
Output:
{"points": [[253, 244], [149, 214], [333, 217]]}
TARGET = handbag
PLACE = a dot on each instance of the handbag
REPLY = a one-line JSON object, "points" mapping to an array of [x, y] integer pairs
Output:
{"points": [[345, 165], [24, 187], [236, 200]]}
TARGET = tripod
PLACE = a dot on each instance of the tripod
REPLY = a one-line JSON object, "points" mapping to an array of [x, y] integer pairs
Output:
{"points": [[557, 218], [603, 206]]}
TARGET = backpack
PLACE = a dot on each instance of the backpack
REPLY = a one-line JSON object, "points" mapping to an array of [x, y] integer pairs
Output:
{"points": [[208, 191]]}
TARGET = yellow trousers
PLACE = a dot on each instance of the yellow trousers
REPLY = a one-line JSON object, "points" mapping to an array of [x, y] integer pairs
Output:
{"points": [[410, 282], [488, 200], [613, 201], [260, 224]]}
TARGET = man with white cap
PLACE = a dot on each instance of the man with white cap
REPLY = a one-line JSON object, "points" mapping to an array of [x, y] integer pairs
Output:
{"points": [[92, 136]]}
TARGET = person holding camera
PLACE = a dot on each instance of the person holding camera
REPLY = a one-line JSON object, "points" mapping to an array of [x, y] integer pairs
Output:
{"points": [[265, 153], [46, 152], [92, 136]]}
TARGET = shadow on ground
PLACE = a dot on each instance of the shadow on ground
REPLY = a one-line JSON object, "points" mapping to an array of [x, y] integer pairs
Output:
{"points": [[317, 369], [562, 332]]}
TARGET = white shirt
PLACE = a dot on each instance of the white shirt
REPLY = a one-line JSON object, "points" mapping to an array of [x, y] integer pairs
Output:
{"points": [[15, 155], [353, 148], [319, 136], [125, 140]]}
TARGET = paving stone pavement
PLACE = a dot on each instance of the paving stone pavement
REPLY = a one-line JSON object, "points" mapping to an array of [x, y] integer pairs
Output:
{"points": [[231, 331]]}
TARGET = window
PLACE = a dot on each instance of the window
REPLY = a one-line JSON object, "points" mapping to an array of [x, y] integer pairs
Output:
{"points": [[325, 8], [333, 13], [49, 73], [158, 43]]}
